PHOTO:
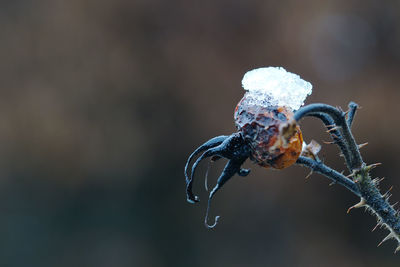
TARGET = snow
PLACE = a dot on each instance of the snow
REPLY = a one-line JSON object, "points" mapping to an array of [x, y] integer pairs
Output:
{"points": [[274, 86]]}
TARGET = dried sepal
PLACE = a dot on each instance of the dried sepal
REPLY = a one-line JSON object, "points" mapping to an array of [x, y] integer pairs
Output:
{"points": [[311, 150]]}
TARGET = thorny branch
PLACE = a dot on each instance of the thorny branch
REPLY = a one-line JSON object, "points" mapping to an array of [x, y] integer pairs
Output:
{"points": [[359, 181]]}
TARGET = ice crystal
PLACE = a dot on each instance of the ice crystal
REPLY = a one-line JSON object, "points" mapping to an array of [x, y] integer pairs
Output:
{"points": [[274, 86]]}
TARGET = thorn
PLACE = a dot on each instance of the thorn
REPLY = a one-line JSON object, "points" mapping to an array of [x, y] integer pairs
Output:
{"points": [[376, 226], [333, 183], [387, 195], [341, 155], [373, 166], [395, 204], [397, 249], [335, 136], [333, 129], [351, 175], [358, 205], [362, 145], [331, 125], [329, 142], [389, 236], [309, 175], [377, 181]]}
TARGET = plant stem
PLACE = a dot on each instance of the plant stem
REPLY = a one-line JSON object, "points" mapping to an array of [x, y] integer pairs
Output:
{"points": [[362, 185], [336, 177]]}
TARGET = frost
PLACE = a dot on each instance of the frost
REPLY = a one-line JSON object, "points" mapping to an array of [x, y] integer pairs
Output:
{"points": [[274, 86]]}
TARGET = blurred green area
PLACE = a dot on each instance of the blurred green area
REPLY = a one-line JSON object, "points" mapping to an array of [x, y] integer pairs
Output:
{"points": [[102, 101]]}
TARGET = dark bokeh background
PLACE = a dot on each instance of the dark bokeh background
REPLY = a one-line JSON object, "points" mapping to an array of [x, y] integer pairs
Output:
{"points": [[102, 101]]}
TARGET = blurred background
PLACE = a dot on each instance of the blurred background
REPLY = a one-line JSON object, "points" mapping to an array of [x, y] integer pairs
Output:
{"points": [[101, 102]]}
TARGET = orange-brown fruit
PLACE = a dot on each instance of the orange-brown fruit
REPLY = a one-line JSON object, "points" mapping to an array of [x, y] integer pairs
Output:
{"points": [[272, 133]]}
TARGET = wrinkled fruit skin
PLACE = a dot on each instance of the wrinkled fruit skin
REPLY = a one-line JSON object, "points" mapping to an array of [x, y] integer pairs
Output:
{"points": [[274, 137]]}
